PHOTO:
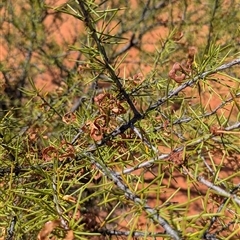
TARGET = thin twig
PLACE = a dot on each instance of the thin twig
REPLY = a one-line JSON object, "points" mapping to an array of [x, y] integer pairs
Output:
{"points": [[189, 83], [93, 32], [10, 232], [132, 196], [188, 119], [128, 233], [219, 190], [178, 149], [19, 170], [59, 210], [161, 101], [214, 218]]}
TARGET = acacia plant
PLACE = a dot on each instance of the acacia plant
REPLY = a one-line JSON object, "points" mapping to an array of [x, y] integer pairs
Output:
{"points": [[139, 138]]}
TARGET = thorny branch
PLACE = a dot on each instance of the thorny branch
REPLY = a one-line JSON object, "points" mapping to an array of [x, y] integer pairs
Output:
{"points": [[127, 233], [161, 101], [136, 40], [189, 83], [131, 123], [220, 106], [165, 156], [219, 190], [89, 23], [130, 195], [59, 210], [115, 177], [11, 228], [213, 220]]}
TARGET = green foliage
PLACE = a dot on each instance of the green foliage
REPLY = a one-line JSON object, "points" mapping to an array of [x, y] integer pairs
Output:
{"points": [[140, 136]]}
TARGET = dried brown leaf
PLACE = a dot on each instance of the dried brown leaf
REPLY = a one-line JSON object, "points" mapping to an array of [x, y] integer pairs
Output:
{"points": [[47, 229], [69, 235], [68, 149], [174, 73], [49, 153], [69, 118]]}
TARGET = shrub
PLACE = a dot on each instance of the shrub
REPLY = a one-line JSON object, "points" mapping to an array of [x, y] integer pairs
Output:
{"points": [[139, 138]]}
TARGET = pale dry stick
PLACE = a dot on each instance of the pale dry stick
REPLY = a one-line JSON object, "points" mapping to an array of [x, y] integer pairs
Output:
{"points": [[179, 149], [10, 231], [132, 196], [210, 169], [214, 218], [128, 233], [161, 101], [189, 83], [232, 127], [144, 139], [228, 132], [188, 119], [210, 237], [145, 164], [221, 105], [18, 170], [219, 190], [207, 165], [78, 104], [148, 163]]}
